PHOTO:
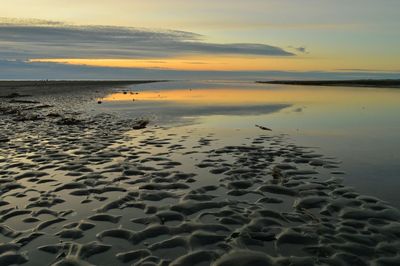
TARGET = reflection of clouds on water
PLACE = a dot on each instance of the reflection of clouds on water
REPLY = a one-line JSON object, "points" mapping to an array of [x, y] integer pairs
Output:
{"points": [[358, 125], [168, 112]]}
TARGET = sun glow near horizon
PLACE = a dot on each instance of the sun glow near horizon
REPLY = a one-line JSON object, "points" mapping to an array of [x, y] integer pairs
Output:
{"points": [[223, 63], [202, 36], [191, 63]]}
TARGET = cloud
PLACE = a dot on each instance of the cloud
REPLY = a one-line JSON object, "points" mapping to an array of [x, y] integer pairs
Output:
{"points": [[300, 49], [32, 21], [28, 39]]}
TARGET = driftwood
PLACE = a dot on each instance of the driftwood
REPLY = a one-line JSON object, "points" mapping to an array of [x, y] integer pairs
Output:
{"points": [[264, 128]]}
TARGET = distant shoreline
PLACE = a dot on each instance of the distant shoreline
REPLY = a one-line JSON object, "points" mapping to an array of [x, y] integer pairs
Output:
{"points": [[376, 83], [23, 83]]}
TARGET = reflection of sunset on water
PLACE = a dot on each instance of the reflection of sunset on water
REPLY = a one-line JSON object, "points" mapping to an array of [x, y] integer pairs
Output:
{"points": [[242, 96]]}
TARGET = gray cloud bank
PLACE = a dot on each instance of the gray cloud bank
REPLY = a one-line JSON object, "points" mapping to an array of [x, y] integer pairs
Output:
{"points": [[29, 39], [21, 40]]}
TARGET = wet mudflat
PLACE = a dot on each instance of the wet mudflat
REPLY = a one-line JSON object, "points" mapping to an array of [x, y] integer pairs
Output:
{"points": [[79, 187]]}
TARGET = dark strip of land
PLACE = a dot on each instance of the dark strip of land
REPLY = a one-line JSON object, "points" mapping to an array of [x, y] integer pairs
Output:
{"points": [[378, 83], [25, 83]]}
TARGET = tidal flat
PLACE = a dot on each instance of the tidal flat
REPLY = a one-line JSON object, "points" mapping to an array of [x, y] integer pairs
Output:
{"points": [[84, 181]]}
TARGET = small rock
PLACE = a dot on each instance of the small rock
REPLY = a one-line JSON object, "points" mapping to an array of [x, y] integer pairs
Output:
{"points": [[69, 121], [140, 124]]}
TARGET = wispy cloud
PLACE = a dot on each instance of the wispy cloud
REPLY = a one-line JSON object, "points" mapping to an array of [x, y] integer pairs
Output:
{"points": [[27, 39], [300, 49], [32, 21]]}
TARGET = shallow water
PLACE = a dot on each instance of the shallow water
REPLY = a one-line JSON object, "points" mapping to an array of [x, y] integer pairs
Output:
{"points": [[359, 126], [200, 186]]}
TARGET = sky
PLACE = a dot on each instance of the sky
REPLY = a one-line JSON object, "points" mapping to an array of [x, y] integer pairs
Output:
{"points": [[256, 38]]}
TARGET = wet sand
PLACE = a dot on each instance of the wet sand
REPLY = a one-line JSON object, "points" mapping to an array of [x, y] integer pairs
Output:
{"points": [[79, 187]]}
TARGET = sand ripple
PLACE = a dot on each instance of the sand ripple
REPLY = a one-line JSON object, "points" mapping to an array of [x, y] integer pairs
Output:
{"points": [[98, 193]]}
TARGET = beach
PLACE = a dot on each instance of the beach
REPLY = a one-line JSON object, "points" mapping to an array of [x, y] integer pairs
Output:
{"points": [[83, 185]]}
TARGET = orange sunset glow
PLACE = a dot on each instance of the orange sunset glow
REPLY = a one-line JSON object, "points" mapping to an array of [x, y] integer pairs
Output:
{"points": [[199, 63]]}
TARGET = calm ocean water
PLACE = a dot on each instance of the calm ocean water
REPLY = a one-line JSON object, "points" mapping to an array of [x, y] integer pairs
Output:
{"points": [[359, 126]]}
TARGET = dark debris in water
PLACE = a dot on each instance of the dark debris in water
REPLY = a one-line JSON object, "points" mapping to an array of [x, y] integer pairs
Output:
{"points": [[263, 128]]}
